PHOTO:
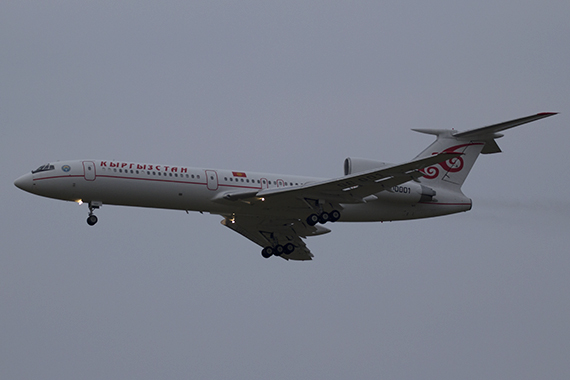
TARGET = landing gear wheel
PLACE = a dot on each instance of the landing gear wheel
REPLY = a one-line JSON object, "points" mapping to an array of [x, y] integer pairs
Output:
{"points": [[92, 220], [267, 252], [312, 219], [325, 217], [289, 248], [279, 250], [334, 215]]}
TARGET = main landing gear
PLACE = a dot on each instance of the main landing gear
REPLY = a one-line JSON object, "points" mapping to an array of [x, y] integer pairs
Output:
{"points": [[323, 218], [92, 218], [277, 250]]}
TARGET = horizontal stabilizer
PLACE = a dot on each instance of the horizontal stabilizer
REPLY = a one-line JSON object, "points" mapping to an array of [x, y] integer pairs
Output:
{"points": [[470, 144], [491, 146], [492, 129]]}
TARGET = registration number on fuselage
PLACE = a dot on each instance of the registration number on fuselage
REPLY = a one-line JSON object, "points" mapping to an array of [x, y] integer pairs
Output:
{"points": [[401, 189]]}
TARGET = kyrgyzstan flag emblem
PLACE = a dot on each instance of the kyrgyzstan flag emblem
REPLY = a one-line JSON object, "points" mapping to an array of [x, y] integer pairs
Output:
{"points": [[239, 174]]}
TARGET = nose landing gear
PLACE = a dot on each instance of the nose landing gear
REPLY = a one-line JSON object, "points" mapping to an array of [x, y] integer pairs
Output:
{"points": [[92, 218]]}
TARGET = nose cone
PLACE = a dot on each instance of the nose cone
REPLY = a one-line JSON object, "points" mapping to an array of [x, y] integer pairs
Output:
{"points": [[25, 182]]}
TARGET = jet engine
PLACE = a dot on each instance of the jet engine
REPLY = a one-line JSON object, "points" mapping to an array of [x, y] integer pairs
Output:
{"points": [[357, 165], [409, 192]]}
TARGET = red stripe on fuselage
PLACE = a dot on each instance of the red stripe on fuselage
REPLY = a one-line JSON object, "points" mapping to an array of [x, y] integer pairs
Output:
{"points": [[146, 179]]}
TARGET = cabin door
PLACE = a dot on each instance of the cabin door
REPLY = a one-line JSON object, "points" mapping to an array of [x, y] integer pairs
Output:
{"points": [[89, 170], [212, 178]]}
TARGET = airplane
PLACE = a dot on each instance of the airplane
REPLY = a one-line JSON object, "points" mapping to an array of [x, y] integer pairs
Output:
{"points": [[277, 212]]}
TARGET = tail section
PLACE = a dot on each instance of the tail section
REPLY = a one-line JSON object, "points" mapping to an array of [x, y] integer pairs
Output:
{"points": [[470, 144], [451, 173]]}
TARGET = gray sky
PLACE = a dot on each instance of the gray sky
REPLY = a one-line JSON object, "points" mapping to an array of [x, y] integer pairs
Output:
{"points": [[291, 87]]}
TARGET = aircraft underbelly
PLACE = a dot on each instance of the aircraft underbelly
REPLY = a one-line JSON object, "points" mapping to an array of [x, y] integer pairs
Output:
{"points": [[384, 211], [155, 194]]}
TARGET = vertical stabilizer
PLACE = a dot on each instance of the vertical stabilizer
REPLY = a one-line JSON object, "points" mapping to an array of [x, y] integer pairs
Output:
{"points": [[470, 144], [453, 172]]}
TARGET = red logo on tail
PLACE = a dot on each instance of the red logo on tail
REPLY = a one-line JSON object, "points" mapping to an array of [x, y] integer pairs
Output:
{"points": [[453, 165]]}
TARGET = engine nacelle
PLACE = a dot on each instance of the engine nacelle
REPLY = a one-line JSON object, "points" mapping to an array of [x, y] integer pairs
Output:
{"points": [[409, 192], [357, 165]]}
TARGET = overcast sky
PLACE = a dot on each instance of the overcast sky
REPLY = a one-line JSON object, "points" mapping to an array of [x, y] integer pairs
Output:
{"points": [[289, 87]]}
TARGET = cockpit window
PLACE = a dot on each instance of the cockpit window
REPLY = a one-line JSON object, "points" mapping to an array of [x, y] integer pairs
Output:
{"points": [[43, 168]]}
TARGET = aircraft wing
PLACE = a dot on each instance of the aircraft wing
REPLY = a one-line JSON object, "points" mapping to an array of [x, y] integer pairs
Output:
{"points": [[356, 187], [281, 212], [270, 231]]}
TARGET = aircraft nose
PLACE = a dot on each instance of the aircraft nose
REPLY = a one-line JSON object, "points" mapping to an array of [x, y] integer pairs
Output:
{"points": [[25, 182]]}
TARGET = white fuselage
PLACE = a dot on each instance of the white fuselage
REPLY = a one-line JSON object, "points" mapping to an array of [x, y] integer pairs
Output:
{"points": [[193, 189]]}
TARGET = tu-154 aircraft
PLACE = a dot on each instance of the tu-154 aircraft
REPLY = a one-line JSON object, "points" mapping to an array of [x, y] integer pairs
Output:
{"points": [[278, 211]]}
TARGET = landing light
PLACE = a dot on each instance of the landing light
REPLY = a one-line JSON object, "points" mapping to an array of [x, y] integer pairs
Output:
{"points": [[79, 202]]}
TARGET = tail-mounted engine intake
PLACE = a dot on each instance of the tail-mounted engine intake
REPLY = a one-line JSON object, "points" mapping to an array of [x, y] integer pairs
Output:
{"points": [[357, 165], [409, 192], [427, 194]]}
